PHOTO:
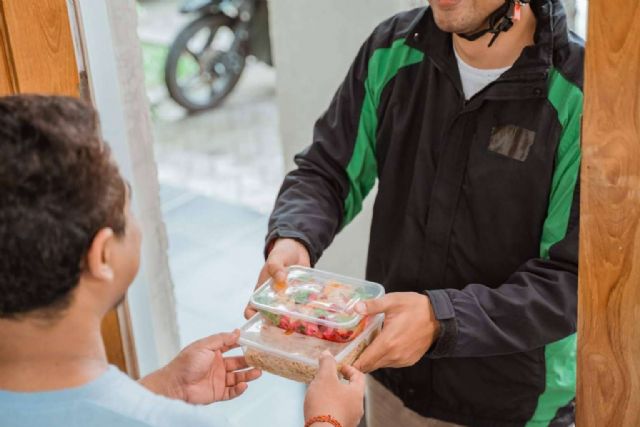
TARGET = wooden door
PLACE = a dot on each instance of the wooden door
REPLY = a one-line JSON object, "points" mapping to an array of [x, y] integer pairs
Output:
{"points": [[37, 55], [609, 291]]}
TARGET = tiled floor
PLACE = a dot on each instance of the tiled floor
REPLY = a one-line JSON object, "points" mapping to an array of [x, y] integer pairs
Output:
{"points": [[215, 253]]}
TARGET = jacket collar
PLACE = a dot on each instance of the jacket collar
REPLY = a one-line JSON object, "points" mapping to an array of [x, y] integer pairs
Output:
{"points": [[534, 62]]}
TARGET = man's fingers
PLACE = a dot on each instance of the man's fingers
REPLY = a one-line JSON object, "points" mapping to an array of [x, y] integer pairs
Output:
{"points": [[239, 377], [223, 342], [249, 312], [251, 374], [235, 363], [219, 377], [370, 358], [277, 271], [375, 306], [283, 252], [354, 376], [235, 391], [327, 366], [351, 373]]}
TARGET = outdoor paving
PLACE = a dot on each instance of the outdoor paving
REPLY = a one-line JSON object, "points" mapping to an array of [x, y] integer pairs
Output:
{"points": [[219, 173], [232, 153]]}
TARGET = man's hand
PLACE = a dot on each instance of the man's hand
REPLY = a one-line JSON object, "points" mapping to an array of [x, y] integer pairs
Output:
{"points": [[409, 329], [327, 395], [200, 375], [285, 252]]}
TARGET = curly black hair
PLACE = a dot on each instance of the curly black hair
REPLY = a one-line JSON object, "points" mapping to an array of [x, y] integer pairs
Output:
{"points": [[58, 188]]}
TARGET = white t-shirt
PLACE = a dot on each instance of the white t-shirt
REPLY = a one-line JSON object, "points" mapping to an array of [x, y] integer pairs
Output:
{"points": [[111, 400], [475, 79]]}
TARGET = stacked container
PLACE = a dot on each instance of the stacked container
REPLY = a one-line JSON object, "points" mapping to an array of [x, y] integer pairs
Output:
{"points": [[312, 312]]}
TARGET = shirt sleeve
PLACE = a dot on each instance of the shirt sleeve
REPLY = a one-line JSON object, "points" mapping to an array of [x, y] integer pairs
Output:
{"points": [[535, 307], [327, 189]]}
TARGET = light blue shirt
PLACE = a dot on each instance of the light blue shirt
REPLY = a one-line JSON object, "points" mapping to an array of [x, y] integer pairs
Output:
{"points": [[113, 399]]}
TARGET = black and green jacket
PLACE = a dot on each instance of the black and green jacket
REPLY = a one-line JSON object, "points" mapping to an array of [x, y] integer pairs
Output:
{"points": [[477, 206]]}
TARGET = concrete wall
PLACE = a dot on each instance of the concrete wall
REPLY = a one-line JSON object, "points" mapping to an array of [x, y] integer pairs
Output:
{"points": [[314, 45]]}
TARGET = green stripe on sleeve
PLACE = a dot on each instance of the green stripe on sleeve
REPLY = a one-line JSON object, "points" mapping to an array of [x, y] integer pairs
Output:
{"points": [[560, 356], [567, 100], [362, 169]]}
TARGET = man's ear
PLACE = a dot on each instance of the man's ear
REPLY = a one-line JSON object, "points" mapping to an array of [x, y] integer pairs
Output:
{"points": [[99, 256]]}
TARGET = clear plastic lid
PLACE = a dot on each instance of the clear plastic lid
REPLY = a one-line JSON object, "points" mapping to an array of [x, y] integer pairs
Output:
{"points": [[261, 335], [316, 296]]}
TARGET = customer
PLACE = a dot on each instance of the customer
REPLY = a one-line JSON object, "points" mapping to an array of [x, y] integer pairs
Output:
{"points": [[69, 249]]}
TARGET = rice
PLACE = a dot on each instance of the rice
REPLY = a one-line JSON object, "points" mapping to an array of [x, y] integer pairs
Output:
{"points": [[293, 369]]}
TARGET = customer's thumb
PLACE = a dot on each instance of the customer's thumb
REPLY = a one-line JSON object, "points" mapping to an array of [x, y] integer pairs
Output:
{"points": [[327, 366]]}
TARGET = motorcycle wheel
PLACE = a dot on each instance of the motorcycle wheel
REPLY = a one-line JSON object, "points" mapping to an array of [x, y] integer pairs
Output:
{"points": [[205, 62]]}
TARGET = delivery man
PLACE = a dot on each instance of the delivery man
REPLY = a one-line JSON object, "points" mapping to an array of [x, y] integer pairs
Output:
{"points": [[467, 113]]}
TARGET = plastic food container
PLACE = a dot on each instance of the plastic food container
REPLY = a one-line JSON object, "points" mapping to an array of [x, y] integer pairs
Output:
{"points": [[295, 356], [316, 303]]}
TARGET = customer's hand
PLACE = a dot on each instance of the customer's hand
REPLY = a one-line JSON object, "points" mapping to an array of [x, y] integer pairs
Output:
{"points": [[409, 329], [201, 375], [285, 252], [327, 395]]}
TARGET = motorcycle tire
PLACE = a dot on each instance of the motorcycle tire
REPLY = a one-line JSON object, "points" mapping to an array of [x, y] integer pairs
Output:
{"points": [[179, 46]]}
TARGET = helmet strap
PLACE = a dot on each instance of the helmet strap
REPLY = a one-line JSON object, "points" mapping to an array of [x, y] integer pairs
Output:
{"points": [[501, 20]]}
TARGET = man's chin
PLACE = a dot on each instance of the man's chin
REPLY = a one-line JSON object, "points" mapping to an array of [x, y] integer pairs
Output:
{"points": [[456, 27], [449, 27]]}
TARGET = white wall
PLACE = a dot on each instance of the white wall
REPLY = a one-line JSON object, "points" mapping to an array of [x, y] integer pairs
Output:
{"points": [[315, 42], [117, 83]]}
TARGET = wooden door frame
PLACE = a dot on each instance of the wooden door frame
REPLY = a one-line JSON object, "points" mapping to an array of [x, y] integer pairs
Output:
{"points": [[608, 389], [23, 33], [8, 83]]}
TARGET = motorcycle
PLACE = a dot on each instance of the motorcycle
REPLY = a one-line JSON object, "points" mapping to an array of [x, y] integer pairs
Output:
{"points": [[208, 55]]}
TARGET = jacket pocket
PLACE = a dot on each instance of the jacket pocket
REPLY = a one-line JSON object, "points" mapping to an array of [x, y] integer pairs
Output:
{"points": [[512, 141]]}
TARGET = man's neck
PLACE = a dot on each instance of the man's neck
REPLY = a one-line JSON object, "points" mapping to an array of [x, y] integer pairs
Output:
{"points": [[37, 355], [506, 49]]}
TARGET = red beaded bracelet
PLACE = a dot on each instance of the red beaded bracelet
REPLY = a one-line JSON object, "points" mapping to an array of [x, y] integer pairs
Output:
{"points": [[322, 419]]}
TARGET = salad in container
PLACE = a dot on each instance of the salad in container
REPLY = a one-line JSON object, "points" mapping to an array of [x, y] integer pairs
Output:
{"points": [[316, 303], [294, 355]]}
